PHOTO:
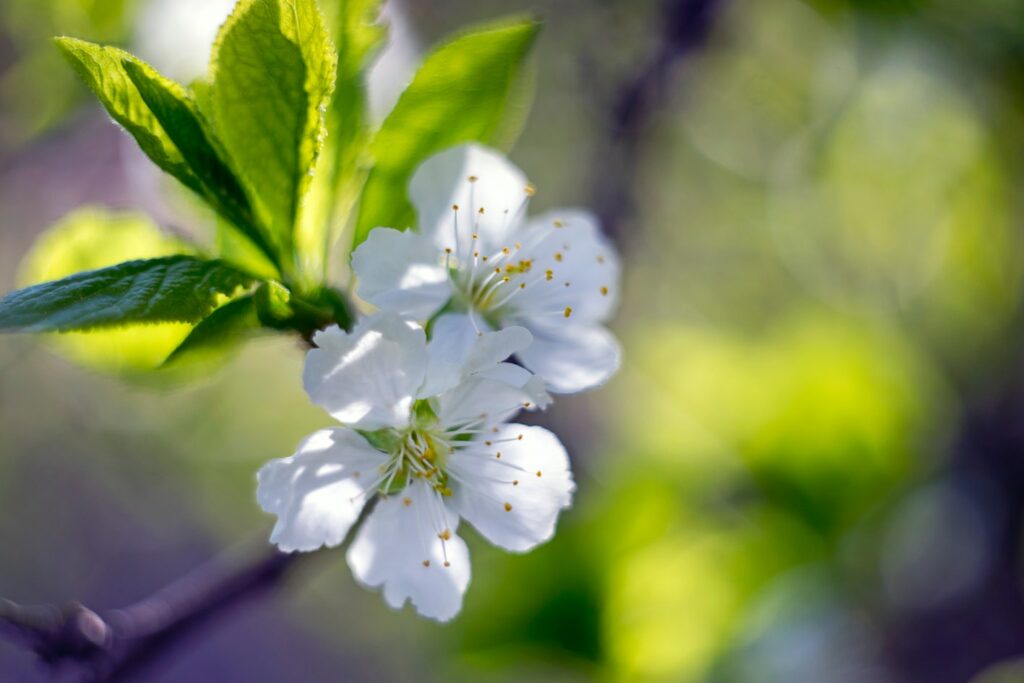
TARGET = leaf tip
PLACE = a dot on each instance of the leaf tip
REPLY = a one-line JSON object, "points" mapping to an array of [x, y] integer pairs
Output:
{"points": [[65, 44]]}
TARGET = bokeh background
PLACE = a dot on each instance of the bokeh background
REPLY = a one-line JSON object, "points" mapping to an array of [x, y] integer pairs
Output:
{"points": [[810, 468]]}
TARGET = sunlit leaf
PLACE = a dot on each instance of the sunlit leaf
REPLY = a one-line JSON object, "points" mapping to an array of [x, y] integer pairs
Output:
{"points": [[232, 245], [177, 288], [219, 333], [272, 75], [93, 238], [460, 93], [342, 169], [178, 114], [101, 69], [164, 120]]}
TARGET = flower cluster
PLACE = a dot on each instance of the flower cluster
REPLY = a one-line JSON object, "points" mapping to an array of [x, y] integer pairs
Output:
{"points": [[426, 417]]}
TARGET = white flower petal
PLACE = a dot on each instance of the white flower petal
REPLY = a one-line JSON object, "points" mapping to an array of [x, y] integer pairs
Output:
{"points": [[317, 493], [572, 358], [513, 500], [583, 265], [401, 272], [491, 397], [443, 181], [457, 350], [532, 386], [367, 379], [404, 547]]}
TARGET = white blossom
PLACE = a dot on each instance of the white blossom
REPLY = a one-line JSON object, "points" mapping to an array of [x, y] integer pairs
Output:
{"points": [[426, 426], [477, 254]]}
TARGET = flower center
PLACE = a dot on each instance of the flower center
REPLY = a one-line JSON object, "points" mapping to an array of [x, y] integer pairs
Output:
{"points": [[416, 453], [488, 284], [486, 280], [419, 451], [497, 287]]}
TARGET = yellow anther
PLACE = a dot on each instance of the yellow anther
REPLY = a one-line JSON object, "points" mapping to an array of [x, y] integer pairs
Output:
{"points": [[472, 179], [407, 502], [508, 507], [476, 236], [549, 274], [518, 246], [484, 259], [506, 278], [515, 482], [445, 535], [476, 254], [519, 438], [481, 210], [447, 250], [506, 251], [497, 269], [455, 207], [568, 311], [604, 291], [527, 404], [524, 266], [446, 492], [538, 473], [487, 443], [530, 190], [559, 224], [498, 455], [522, 285], [426, 563], [558, 256]]}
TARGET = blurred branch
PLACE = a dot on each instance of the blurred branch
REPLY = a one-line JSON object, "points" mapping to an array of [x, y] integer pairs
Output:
{"points": [[117, 644], [685, 26]]}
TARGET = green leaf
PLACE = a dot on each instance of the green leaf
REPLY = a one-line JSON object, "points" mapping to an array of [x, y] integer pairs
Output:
{"points": [[461, 93], [174, 108], [166, 123], [273, 72], [101, 69], [280, 309], [342, 169], [232, 245], [219, 333], [168, 289], [359, 35], [91, 238]]}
